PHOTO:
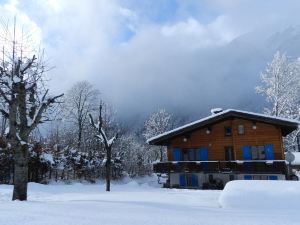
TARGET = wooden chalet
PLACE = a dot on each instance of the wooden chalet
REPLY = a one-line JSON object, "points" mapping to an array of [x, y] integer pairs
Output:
{"points": [[228, 145]]}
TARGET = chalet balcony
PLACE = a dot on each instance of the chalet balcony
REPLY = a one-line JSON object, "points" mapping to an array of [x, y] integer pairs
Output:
{"points": [[247, 166]]}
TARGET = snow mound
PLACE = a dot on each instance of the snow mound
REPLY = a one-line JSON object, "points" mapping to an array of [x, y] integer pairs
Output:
{"points": [[261, 194]]}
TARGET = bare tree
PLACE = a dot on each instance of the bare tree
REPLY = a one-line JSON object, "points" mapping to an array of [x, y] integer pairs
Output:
{"points": [[102, 137], [80, 100], [25, 101]]}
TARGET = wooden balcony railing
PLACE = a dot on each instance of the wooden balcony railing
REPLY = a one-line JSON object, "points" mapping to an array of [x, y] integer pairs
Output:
{"points": [[259, 166]]}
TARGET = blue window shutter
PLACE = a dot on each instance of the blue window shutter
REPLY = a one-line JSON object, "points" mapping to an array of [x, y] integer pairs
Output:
{"points": [[194, 180], [176, 154], [198, 155], [273, 178], [269, 152], [247, 177], [182, 182], [203, 154], [246, 152]]}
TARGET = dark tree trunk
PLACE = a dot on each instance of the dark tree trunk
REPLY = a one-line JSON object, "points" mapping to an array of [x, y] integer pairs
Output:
{"points": [[20, 173], [79, 134], [108, 168]]}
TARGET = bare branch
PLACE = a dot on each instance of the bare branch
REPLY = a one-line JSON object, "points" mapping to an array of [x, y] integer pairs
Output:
{"points": [[43, 107], [2, 93], [29, 64]]}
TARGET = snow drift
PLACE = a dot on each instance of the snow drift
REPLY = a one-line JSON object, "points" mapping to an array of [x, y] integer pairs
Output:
{"points": [[261, 194]]}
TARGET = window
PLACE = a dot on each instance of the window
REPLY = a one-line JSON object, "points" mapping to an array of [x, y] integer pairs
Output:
{"points": [[192, 156], [258, 152], [185, 155], [261, 152], [256, 177], [260, 177], [189, 180], [254, 153], [229, 154], [227, 131], [241, 129], [189, 154]]}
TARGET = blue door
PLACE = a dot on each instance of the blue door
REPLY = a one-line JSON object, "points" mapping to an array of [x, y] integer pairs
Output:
{"points": [[182, 182], [194, 180], [269, 152], [176, 154], [246, 152]]}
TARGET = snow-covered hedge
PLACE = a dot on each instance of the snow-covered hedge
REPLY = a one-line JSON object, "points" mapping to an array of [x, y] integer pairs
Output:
{"points": [[261, 194]]}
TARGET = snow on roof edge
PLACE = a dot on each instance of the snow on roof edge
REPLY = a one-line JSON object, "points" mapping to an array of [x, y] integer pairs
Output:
{"points": [[218, 114]]}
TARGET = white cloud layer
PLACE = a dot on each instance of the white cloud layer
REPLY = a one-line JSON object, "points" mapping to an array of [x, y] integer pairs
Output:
{"points": [[205, 54]]}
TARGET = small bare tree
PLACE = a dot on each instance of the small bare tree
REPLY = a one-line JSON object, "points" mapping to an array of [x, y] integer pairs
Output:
{"points": [[25, 101], [108, 143]]}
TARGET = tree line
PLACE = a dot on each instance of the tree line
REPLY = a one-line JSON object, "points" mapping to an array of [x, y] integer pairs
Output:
{"points": [[71, 148]]}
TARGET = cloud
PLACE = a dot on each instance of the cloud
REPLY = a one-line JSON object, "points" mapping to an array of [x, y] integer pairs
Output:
{"points": [[186, 56], [26, 30], [192, 31]]}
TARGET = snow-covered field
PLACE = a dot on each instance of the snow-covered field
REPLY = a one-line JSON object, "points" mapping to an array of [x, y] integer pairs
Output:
{"points": [[133, 203]]}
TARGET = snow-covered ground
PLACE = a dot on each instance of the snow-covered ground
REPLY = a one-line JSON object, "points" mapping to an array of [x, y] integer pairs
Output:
{"points": [[134, 203]]}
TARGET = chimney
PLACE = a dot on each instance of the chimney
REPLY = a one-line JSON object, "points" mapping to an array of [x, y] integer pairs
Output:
{"points": [[216, 111]]}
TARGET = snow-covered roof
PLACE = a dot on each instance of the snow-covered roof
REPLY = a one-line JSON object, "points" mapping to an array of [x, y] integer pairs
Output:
{"points": [[289, 124]]}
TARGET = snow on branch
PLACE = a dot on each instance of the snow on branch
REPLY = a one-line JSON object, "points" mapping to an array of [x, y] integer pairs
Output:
{"points": [[101, 134], [20, 140], [42, 108]]}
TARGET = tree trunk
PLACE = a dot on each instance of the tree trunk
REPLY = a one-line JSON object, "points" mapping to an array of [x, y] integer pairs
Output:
{"points": [[79, 135], [108, 168], [20, 173]]}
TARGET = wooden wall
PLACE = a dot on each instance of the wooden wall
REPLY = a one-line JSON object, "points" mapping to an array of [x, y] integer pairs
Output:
{"points": [[216, 140]]}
